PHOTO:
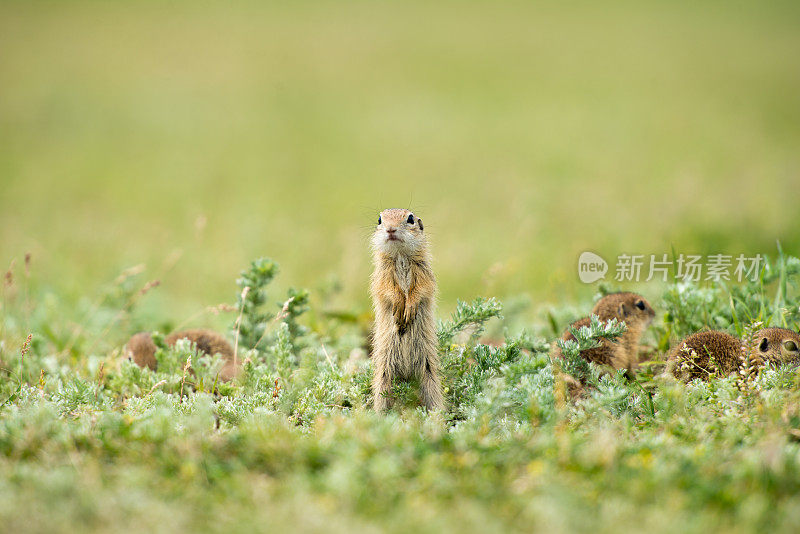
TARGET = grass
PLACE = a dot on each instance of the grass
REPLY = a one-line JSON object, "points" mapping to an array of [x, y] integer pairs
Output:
{"points": [[150, 151], [522, 134], [91, 441]]}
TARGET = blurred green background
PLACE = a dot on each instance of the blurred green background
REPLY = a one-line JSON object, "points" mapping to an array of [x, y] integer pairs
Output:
{"points": [[195, 136]]}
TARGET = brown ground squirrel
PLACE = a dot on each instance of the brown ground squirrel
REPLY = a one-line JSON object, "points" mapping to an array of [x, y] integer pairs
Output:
{"points": [[141, 349], [692, 357], [703, 353], [403, 289], [624, 352], [778, 345]]}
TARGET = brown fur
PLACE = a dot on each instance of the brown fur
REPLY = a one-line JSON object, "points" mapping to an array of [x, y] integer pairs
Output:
{"points": [[623, 353], [691, 358], [141, 349], [403, 290]]}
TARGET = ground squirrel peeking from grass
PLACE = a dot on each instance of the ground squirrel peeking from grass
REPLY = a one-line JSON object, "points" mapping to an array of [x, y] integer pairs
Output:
{"points": [[141, 349], [403, 290], [714, 353], [623, 353], [778, 345]]}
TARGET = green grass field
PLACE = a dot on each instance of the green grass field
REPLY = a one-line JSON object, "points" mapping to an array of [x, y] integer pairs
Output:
{"points": [[177, 141]]}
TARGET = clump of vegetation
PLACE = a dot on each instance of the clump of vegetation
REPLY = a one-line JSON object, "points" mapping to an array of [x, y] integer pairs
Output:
{"points": [[587, 337], [293, 444], [771, 298]]}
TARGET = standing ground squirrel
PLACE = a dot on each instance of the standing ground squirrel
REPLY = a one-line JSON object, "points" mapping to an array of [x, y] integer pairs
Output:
{"points": [[713, 352], [403, 289], [624, 352], [141, 349]]}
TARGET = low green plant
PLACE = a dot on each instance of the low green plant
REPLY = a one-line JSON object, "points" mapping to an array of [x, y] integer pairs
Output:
{"points": [[292, 443]]}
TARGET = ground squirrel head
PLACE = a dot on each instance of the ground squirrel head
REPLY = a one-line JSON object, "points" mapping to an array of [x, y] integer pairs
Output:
{"points": [[141, 350], [629, 307], [778, 345], [398, 232]]}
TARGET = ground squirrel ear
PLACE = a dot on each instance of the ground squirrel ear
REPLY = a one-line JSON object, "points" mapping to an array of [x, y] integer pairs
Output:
{"points": [[419, 221], [623, 310], [764, 345], [790, 345]]}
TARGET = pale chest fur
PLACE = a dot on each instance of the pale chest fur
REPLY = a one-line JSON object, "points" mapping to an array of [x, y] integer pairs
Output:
{"points": [[627, 349], [402, 271]]}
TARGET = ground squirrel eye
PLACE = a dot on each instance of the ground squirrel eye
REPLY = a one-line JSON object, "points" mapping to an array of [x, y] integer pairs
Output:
{"points": [[411, 219], [764, 345], [640, 304], [379, 219], [791, 346]]}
